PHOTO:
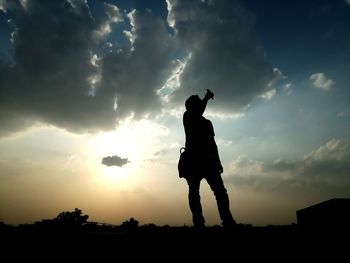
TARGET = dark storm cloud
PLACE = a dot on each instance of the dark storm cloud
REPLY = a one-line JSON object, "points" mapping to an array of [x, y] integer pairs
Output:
{"points": [[63, 73], [49, 82], [326, 169], [58, 79], [225, 55], [137, 74], [114, 161]]}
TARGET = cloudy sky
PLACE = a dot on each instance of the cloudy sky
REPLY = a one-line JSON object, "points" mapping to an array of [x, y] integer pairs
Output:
{"points": [[92, 95]]}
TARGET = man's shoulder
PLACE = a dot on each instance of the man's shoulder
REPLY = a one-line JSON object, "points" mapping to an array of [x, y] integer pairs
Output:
{"points": [[185, 115]]}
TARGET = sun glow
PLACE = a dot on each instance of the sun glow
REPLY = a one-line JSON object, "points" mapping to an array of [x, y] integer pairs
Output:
{"points": [[134, 140]]}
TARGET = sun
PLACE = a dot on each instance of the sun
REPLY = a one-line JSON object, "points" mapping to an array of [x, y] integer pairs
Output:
{"points": [[115, 144], [134, 140]]}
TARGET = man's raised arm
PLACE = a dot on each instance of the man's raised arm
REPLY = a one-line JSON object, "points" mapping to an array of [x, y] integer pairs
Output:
{"points": [[209, 95]]}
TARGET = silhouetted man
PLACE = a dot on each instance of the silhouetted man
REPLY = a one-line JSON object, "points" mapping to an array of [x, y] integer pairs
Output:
{"points": [[204, 161]]}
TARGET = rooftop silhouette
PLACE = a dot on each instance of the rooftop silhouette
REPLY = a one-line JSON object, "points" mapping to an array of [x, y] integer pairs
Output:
{"points": [[333, 213]]}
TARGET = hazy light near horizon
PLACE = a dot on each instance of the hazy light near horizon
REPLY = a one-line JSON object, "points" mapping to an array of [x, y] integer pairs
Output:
{"points": [[110, 80]]}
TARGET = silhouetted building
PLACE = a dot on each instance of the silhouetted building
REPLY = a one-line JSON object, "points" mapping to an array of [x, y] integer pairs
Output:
{"points": [[328, 214]]}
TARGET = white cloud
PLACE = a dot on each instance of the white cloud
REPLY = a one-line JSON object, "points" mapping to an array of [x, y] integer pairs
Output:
{"points": [[324, 169], [334, 150], [348, 2], [24, 3], [278, 75], [103, 31], [319, 80], [268, 95], [75, 3], [243, 166], [223, 116], [287, 88], [4, 5], [223, 142], [113, 16], [173, 82], [113, 13], [243, 172], [171, 19]]}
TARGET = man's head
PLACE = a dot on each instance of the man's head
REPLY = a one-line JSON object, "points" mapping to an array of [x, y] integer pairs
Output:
{"points": [[193, 103]]}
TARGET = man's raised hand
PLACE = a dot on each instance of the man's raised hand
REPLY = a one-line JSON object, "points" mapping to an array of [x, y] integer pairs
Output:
{"points": [[209, 94]]}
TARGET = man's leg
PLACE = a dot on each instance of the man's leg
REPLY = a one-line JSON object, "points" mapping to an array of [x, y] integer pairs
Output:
{"points": [[217, 186], [195, 201]]}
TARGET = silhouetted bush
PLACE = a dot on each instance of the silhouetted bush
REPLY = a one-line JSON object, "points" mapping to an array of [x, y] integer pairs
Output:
{"points": [[130, 224], [74, 218], [64, 220]]}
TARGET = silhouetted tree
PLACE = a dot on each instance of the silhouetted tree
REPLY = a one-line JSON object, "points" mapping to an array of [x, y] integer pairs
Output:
{"points": [[74, 218], [130, 224]]}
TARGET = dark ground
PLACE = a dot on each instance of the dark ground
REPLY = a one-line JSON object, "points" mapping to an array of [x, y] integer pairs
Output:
{"points": [[32, 243]]}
